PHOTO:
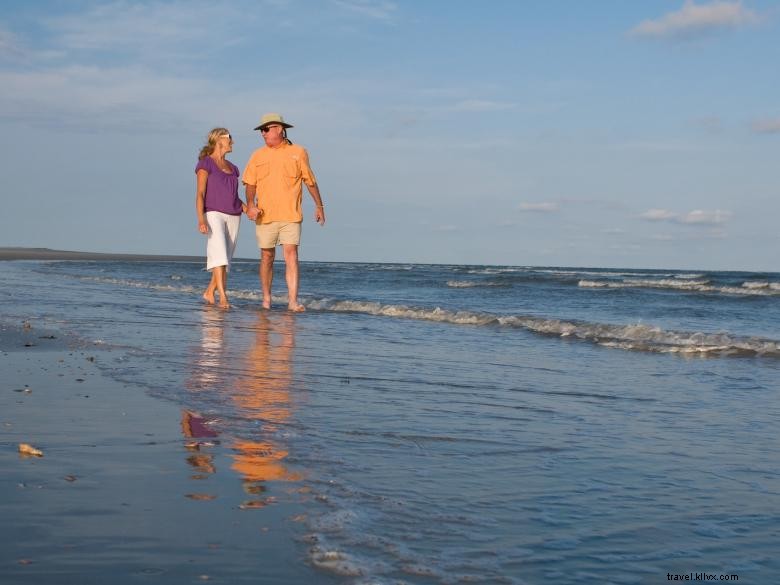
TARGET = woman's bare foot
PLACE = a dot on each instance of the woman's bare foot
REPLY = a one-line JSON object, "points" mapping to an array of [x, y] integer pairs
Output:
{"points": [[208, 296], [267, 304], [223, 304], [296, 308]]}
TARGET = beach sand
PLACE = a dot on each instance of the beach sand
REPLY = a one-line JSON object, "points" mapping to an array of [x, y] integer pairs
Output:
{"points": [[118, 496]]}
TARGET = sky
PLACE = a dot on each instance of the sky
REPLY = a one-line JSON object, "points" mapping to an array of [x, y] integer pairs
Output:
{"points": [[533, 133]]}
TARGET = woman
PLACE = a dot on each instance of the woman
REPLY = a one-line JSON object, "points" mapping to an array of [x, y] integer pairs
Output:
{"points": [[219, 210]]}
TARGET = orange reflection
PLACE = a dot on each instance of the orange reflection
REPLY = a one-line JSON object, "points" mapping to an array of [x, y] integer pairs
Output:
{"points": [[262, 393]]}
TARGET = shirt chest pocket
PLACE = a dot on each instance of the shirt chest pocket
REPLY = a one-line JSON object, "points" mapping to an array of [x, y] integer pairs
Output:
{"points": [[261, 171], [291, 169]]}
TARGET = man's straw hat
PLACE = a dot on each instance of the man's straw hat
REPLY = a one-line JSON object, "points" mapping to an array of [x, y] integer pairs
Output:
{"points": [[272, 118]]}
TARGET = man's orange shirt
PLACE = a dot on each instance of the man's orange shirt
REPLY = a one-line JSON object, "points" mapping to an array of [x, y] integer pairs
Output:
{"points": [[278, 173]]}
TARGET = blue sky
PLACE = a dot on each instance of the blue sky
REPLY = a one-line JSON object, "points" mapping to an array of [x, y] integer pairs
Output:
{"points": [[603, 133]]}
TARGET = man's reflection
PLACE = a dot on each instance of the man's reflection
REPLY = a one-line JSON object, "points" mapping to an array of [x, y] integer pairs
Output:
{"points": [[255, 376], [262, 393]]}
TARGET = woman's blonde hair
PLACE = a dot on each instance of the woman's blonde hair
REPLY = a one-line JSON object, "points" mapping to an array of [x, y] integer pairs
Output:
{"points": [[211, 141]]}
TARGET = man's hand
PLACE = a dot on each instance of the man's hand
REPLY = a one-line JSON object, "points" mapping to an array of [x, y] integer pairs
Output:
{"points": [[252, 212], [319, 215]]}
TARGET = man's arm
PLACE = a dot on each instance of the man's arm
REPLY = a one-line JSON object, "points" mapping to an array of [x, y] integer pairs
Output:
{"points": [[319, 212]]}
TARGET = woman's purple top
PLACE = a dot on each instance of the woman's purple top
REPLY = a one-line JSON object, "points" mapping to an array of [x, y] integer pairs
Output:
{"points": [[221, 187]]}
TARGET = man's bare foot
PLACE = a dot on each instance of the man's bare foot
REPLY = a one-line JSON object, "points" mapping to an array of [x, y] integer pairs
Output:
{"points": [[223, 304], [296, 308], [267, 304], [209, 297]]}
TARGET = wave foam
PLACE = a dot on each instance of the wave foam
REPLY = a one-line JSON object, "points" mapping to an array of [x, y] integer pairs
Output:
{"points": [[471, 283], [747, 288], [638, 337]]}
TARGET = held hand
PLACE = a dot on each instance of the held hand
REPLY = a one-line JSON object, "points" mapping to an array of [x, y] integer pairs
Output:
{"points": [[252, 213], [319, 215], [203, 227]]}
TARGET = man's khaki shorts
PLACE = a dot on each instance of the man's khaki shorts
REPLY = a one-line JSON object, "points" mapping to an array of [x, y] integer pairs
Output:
{"points": [[270, 235]]}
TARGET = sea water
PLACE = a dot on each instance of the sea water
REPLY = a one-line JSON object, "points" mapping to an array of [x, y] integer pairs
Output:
{"points": [[466, 424]]}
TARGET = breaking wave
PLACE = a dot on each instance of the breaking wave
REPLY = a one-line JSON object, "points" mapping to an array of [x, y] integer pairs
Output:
{"points": [[472, 283], [637, 337], [699, 285]]}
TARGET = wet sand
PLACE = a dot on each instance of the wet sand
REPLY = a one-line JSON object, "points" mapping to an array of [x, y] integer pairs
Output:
{"points": [[121, 495]]}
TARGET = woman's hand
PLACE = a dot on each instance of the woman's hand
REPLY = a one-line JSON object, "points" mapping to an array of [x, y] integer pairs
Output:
{"points": [[203, 227]]}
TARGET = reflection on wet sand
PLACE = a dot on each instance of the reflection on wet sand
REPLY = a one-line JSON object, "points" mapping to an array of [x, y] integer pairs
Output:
{"points": [[254, 376], [262, 393], [207, 374], [194, 426]]}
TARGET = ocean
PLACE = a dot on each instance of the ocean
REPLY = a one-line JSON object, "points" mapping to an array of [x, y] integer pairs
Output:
{"points": [[443, 424]]}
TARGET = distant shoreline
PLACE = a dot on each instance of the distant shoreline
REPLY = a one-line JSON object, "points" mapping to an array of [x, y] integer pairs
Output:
{"points": [[22, 253], [12, 253]]}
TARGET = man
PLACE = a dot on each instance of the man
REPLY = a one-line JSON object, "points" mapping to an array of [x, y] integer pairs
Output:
{"points": [[273, 178]]}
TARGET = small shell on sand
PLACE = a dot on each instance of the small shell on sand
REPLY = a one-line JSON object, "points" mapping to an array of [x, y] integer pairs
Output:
{"points": [[200, 497], [29, 450]]}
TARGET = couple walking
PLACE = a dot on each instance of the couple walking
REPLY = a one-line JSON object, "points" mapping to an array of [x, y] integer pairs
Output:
{"points": [[273, 178]]}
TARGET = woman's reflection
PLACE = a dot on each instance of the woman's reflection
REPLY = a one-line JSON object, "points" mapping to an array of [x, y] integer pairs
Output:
{"points": [[208, 373]]}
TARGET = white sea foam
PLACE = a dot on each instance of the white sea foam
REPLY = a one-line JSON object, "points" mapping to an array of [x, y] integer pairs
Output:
{"points": [[178, 288], [139, 284], [335, 561], [639, 337], [747, 288], [494, 270], [471, 283], [689, 276], [589, 272], [762, 285]]}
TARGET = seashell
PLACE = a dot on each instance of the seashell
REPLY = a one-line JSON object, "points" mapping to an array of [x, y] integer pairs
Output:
{"points": [[29, 450], [200, 497], [253, 504]]}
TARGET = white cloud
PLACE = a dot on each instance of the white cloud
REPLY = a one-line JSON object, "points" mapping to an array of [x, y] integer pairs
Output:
{"points": [[379, 10], [85, 97], [695, 18], [151, 29], [767, 126], [658, 215], [9, 45], [543, 207], [702, 217], [695, 217], [480, 106], [710, 124]]}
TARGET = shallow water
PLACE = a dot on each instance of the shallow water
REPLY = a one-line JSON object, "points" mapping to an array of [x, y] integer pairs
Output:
{"points": [[468, 423]]}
